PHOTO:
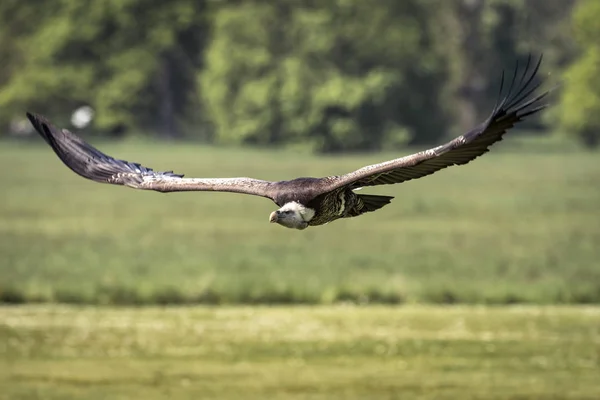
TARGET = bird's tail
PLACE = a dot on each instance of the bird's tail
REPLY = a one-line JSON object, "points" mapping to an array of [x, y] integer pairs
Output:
{"points": [[372, 202]]}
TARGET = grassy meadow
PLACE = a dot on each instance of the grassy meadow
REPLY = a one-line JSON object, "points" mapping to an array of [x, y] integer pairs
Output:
{"points": [[327, 352], [515, 226]]}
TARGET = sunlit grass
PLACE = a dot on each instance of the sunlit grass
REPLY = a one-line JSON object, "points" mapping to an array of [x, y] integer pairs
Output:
{"points": [[300, 352], [513, 226]]}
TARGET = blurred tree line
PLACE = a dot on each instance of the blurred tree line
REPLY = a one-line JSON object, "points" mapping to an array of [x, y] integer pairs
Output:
{"points": [[335, 75]]}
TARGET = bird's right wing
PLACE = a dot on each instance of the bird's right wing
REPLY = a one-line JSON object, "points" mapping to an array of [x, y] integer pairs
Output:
{"points": [[520, 102], [88, 162]]}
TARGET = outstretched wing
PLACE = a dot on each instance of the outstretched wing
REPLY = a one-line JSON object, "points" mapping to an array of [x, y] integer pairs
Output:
{"points": [[89, 162], [519, 102]]}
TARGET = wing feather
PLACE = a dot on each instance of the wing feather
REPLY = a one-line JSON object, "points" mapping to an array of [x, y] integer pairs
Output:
{"points": [[89, 162], [519, 102]]}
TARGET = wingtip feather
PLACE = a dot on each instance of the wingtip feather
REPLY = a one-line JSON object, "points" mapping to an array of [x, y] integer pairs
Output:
{"points": [[41, 126]]}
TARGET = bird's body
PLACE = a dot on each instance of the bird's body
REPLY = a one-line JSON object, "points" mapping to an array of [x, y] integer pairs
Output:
{"points": [[307, 201], [317, 207]]}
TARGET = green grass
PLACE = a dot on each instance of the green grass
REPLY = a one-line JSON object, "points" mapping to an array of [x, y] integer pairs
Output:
{"points": [[339, 352], [513, 226]]}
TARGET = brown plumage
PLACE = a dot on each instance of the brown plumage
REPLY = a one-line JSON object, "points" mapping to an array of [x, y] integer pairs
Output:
{"points": [[309, 201]]}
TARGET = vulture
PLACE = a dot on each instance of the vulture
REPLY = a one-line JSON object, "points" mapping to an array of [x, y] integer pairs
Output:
{"points": [[304, 201]]}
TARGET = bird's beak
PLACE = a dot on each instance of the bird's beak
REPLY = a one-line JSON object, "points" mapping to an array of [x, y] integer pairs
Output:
{"points": [[274, 216]]}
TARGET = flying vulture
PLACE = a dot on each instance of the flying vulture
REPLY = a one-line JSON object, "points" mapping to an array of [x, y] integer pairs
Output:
{"points": [[308, 202]]}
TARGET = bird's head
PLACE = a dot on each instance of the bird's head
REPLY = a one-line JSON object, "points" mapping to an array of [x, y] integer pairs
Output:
{"points": [[292, 215]]}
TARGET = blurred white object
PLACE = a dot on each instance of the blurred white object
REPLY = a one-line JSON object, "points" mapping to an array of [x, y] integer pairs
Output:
{"points": [[21, 127], [82, 117]]}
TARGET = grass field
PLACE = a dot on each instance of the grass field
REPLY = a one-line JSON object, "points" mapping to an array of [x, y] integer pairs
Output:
{"points": [[513, 226], [325, 352]]}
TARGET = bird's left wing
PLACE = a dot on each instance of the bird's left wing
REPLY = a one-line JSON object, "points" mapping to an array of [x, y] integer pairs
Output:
{"points": [[88, 162], [519, 102]]}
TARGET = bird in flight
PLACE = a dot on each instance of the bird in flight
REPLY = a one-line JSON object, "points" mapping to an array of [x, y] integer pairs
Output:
{"points": [[308, 202]]}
